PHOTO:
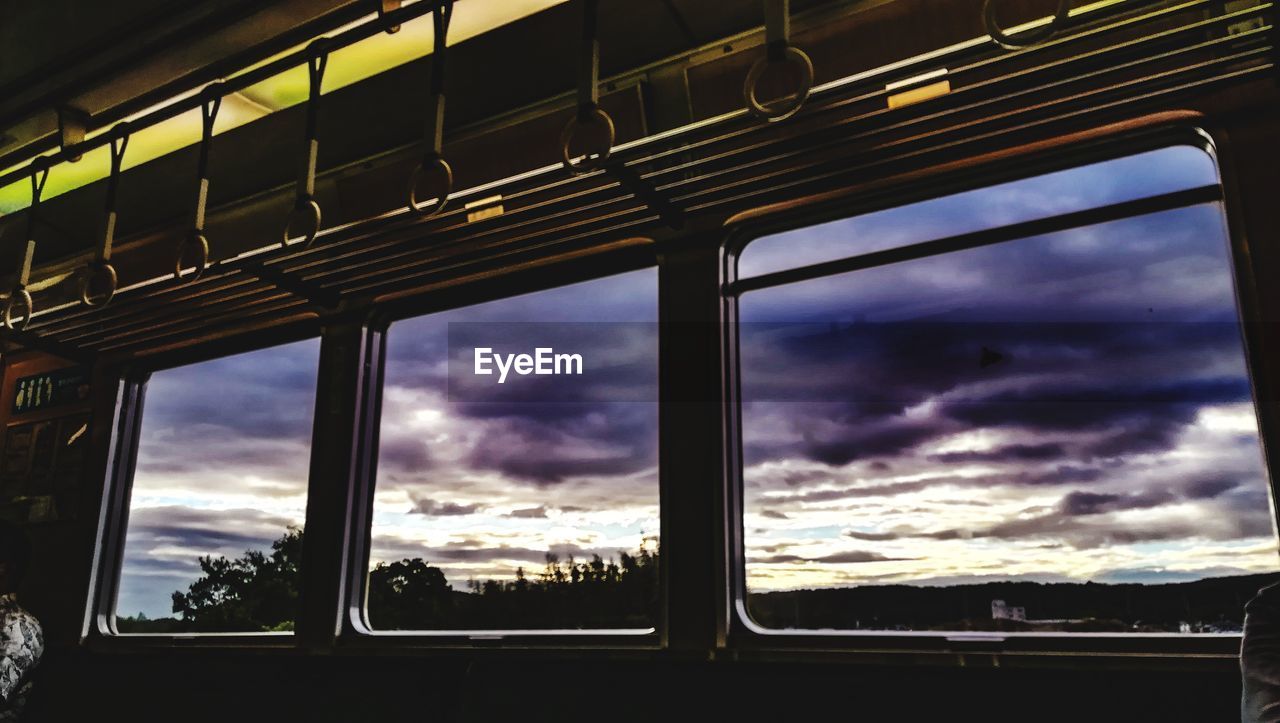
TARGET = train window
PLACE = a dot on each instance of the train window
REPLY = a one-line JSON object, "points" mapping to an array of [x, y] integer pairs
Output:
{"points": [[1042, 434], [520, 494], [219, 495]]}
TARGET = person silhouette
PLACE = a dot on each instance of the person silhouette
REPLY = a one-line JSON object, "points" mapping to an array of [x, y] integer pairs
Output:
{"points": [[21, 639]]}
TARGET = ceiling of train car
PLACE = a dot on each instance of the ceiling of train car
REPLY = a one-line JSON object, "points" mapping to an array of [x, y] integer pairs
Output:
{"points": [[511, 54], [511, 91]]}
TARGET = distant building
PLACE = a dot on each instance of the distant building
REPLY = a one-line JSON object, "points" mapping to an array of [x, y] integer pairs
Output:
{"points": [[1002, 611]]}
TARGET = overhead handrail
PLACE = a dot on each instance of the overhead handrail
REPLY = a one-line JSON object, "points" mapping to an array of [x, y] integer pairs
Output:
{"points": [[433, 166], [778, 51], [305, 205], [195, 238], [99, 273], [590, 117], [19, 297]]}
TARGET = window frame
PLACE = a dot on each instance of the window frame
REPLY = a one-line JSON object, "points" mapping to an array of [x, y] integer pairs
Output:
{"points": [[356, 633], [129, 409], [753, 640]]}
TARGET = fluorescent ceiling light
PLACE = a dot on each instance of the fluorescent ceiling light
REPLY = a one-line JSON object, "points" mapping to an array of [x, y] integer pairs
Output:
{"points": [[348, 65]]}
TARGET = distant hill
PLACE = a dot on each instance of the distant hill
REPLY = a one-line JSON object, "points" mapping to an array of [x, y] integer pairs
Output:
{"points": [[1208, 605]]}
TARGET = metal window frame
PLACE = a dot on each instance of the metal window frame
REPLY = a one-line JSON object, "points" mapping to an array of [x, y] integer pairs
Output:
{"points": [[356, 632], [129, 408], [750, 640]]}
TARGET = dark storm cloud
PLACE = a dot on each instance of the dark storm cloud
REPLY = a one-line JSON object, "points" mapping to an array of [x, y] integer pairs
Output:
{"points": [[871, 536], [1010, 453], [432, 508], [837, 558], [879, 490], [196, 537], [1061, 474], [842, 391], [529, 513], [1092, 503], [473, 551], [856, 442], [1152, 409], [404, 454], [611, 440], [1085, 521], [144, 565], [1207, 489], [268, 393]]}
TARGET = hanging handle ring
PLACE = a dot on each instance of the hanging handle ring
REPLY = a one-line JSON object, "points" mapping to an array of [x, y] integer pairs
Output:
{"points": [[780, 51], [195, 236], [433, 167], [1026, 38], [19, 297], [439, 175], [100, 274], [591, 120], [193, 240], [600, 134], [305, 207]]}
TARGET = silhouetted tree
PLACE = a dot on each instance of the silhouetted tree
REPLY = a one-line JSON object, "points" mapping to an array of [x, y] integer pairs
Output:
{"points": [[401, 594], [256, 592]]}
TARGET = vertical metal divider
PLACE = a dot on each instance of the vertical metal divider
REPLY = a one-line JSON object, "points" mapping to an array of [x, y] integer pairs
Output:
{"points": [[360, 518], [735, 557], [692, 493], [119, 460], [332, 481]]}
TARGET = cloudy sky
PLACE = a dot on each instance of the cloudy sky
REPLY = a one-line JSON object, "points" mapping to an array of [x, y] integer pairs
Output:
{"points": [[1069, 407], [222, 467], [479, 478]]}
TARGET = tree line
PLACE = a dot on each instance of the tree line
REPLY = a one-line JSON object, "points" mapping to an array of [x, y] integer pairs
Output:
{"points": [[260, 591]]}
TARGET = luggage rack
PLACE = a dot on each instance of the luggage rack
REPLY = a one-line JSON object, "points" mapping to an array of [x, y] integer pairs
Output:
{"points": [[1112, 60]]}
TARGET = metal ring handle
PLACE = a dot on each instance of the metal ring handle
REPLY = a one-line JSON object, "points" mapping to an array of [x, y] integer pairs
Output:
{"points": [[1027, 38], [198, 239], [12, 303], [786, 107], [312, 210], [443, 174], [92, 273], [595, 117]]}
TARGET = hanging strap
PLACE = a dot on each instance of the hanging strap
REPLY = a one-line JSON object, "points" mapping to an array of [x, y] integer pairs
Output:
{"points": [[778, 51], [195, 238], [433, 165], [100, 273], [305, 205], [385, 7], [595, 124], [19, 297]]}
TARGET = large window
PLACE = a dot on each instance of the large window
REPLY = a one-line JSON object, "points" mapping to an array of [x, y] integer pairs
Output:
{"points": [[1051, 433], [521, 494], [219, 495]]}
